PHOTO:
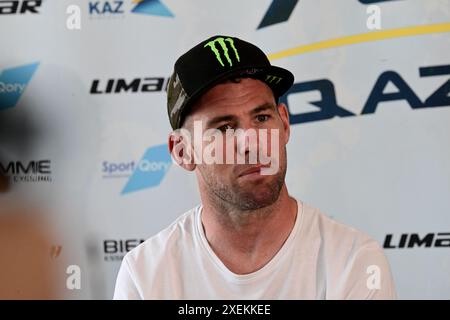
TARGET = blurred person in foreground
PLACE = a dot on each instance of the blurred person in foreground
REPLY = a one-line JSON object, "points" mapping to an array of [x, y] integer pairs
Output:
{"points": [[27, 268]]}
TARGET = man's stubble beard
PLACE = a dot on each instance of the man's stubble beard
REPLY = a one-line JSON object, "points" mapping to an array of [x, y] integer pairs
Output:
{"points": [[240, 198]]}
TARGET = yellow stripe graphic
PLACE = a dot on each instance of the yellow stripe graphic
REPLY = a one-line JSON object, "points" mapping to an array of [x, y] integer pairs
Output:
{"points": [[360, 38]]}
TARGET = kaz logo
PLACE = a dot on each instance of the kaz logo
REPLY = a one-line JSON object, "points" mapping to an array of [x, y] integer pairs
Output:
{"points": [[109, 8], [150, 170], [121, 85], [13, 82]]}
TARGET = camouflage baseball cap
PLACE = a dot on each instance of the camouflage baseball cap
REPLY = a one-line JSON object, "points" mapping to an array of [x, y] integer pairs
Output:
{"points": [[212, 61]]}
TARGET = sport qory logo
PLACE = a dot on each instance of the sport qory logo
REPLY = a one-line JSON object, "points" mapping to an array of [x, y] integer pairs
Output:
{"points": [[223, 45], [13, 82], [150, 170]]}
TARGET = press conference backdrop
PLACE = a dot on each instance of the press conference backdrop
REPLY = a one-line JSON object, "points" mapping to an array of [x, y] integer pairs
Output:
{"points": [[84, 121]]}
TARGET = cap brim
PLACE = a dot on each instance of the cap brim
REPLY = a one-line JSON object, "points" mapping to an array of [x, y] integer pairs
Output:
{"points": [[278, 79]]}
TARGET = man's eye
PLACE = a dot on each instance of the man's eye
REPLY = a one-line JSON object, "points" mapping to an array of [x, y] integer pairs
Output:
{"points": [[262, 117], [225, 127]]}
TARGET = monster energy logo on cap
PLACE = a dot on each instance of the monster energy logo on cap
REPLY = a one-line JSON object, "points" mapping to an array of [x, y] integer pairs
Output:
{"points": [[223, 44], [270, 79]]}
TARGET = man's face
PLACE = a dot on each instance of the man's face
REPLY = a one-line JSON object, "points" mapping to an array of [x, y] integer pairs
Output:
{"points": [[247, 105]]}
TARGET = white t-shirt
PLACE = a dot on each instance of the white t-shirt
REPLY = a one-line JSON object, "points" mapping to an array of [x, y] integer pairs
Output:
{"points": [[321, 259]]}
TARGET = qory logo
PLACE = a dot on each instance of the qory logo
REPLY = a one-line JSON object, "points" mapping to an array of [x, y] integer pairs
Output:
{"points": [[150, 170], [33, 171], [114, 250], [13, 82], [411, 240], [19, 6], [223, 44]]}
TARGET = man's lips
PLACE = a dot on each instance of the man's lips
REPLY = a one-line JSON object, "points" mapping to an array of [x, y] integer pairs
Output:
{"points": [[255, 169]]}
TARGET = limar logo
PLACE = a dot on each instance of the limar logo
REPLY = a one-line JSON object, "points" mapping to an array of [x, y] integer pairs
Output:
{"points": [[223, 44], [151, 7], [13, 82], [412, 240], [123, 85], [150, 170], [19, 6]]}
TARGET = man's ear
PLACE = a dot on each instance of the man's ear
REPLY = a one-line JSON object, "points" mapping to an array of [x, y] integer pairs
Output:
{"points": [[284, 115], [180, 149]]}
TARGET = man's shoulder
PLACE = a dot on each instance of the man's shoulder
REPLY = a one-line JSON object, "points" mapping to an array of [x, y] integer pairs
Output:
{"points": [[334, 233], [350, 257], [176, 236]]}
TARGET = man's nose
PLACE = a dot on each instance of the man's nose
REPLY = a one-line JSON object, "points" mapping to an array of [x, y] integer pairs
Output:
{"points": [[243, 143], [247, 141]]}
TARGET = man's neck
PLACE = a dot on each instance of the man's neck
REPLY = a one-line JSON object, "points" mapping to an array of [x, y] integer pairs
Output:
{"points": [[246, 241]]}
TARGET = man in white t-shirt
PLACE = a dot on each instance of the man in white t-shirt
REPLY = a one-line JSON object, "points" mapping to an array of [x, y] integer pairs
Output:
{"points": [[248, 239]]}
